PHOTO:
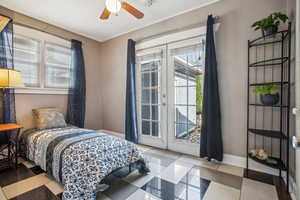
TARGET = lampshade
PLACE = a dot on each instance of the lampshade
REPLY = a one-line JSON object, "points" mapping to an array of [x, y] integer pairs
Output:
{"points": [[3, 22], [10, 78]]}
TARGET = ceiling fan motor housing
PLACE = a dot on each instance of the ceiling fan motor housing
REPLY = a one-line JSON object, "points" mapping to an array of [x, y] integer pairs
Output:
{"points": [[114, 6], [149, 3]]}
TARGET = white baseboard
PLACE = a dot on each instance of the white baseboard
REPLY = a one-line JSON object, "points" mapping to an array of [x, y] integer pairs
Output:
{"points": [[240, 161]]}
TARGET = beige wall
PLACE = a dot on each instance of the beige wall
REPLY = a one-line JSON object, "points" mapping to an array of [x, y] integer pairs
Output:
{"points": [[26, 102], [236, 17]]}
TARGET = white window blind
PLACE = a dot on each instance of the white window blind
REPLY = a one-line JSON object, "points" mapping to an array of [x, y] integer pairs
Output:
{"points": [[57, 66], [27, 59], [44, 61]]}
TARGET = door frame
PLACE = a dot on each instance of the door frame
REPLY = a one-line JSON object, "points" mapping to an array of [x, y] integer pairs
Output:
{"points": [[297, 101], [158, 41]]}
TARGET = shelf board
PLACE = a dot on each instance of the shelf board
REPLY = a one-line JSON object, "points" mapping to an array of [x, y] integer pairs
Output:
{"points": [[269, 83], [279, 164], [262, 40], [4, 164], [269, 62], [275, 106], [267, 133]]}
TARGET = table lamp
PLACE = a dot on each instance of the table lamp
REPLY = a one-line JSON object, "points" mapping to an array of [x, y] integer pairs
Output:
{"points": [[10, 78], [3, 22]]}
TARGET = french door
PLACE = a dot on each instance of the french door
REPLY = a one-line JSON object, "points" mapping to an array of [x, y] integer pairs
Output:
{"points": [[152, 96], [169, 85]]}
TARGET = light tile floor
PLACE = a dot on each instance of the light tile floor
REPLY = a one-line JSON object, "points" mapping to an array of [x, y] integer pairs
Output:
{"points": [[172, 176], [220, 191], [260, 191]]}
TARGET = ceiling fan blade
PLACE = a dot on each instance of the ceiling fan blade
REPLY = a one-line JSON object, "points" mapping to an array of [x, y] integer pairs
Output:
{"points": [[132, 10], [105, 14]]}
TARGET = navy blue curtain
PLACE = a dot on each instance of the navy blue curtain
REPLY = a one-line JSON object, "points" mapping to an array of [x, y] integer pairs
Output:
{"points": [[6, 61], [211, 145], [131, 125], [76, 98]]}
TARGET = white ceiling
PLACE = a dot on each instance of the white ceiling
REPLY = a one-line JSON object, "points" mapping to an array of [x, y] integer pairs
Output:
{"points": [[82, 16]]}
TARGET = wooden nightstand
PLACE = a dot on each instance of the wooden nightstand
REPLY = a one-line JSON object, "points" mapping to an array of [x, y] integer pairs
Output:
{"points": [[12, 131]]}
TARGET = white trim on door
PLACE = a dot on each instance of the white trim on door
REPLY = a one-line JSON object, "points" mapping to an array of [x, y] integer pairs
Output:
{"points": [[174, 37]]}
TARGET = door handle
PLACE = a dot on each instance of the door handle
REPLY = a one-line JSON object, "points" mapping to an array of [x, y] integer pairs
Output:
{"points": [[296, 142], [164, 104], [296, 111]]}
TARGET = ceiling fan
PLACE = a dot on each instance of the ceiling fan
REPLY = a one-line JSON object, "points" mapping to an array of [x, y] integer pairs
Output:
{"points": [[114, 6]]}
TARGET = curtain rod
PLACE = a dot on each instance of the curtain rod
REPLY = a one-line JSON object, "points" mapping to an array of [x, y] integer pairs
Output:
{"points": [[216, 18], [31, 27]]}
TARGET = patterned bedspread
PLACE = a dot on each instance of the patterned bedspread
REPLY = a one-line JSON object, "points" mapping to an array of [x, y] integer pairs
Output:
{"points": [[78, 158]]}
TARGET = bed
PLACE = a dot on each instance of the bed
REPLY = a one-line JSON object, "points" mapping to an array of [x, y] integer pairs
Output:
{"points": [[78, 158]]}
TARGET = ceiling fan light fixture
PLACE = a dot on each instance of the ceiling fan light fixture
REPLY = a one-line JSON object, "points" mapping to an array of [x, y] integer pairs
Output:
{"points": [[114, 6]]}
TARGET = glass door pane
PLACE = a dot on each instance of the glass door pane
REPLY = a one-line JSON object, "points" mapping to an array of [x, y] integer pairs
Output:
{"points": [[150, 97], [188, 71]]}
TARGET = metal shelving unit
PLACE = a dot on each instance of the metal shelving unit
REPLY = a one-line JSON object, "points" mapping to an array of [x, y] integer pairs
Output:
{"points": [[268, 126]]}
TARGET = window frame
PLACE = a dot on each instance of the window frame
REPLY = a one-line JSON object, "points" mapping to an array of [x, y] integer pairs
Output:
{"points": [[43, 38]]}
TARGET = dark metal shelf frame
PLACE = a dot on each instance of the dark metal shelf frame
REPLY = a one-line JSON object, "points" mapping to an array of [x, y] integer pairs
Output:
{"points": [[273, 106], [261, 41], [270, 83], [268, 133], [259, 135], [269, 62], [280, 165]]}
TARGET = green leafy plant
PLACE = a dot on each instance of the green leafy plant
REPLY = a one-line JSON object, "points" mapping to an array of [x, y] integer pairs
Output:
{"points": [[199, 93], [266, 89], [273, 19]]}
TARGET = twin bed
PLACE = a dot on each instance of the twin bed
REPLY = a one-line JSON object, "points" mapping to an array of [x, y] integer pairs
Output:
{"points": [[78, 158]]}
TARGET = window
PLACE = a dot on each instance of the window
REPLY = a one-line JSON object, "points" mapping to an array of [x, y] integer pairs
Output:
{"points": [[57, 64], [43, 59], [27, 59]]}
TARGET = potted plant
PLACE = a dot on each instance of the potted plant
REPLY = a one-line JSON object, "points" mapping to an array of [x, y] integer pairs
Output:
{"points": [[269, 94], [269, 25]]}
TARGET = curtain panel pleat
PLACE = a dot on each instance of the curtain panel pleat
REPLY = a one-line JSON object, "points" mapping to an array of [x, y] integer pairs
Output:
{"points": [[131, 124], [211, 145], [77, 90], [7, 61]]}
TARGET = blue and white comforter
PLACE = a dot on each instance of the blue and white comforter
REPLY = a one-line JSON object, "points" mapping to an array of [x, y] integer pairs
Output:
{"points": [[78, 158]]}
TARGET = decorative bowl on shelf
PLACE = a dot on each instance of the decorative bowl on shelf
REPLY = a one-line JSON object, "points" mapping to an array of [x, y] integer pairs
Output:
{"points": [[269, 99]]}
